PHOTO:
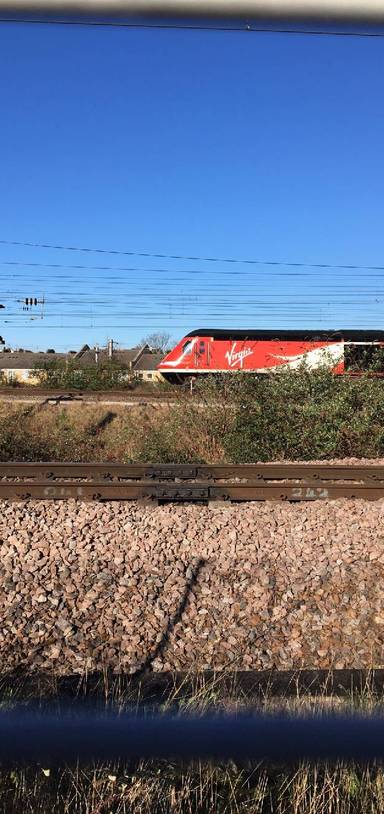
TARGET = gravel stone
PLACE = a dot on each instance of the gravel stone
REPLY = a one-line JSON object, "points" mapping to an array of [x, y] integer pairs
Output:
{"points": [[248, 586]]}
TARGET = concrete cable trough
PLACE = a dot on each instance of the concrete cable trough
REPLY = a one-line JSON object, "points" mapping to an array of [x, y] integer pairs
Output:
{"points": [[190, 482]]}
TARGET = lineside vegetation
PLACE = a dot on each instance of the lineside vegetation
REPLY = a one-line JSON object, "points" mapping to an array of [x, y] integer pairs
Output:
{"points": [[106, 376], [237, 418]]}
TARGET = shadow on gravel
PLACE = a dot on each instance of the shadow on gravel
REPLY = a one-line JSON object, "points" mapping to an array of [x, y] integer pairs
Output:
{"points": [[192, 576]]}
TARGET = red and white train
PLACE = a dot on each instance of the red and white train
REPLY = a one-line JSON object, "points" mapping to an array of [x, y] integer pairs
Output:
{"points": [[222, 351]]}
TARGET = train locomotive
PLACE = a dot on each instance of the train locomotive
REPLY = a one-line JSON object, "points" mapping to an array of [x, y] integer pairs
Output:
{"points": [[209, 350]]}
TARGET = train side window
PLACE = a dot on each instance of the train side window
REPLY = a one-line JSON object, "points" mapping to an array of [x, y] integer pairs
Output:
{"points": [[201, 347], [362, 357]]}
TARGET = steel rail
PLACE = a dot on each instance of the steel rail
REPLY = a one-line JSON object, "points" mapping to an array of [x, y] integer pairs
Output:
{"points": [[189, 483], [263, 471], [193, 492], [52, 740], [361, 11]]}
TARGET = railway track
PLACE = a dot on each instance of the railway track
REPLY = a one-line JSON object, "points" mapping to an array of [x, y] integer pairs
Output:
{"points": [[32, 395], [189, 483]]}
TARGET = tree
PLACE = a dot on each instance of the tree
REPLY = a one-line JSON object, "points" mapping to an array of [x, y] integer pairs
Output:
{"points": [[159, 340]]}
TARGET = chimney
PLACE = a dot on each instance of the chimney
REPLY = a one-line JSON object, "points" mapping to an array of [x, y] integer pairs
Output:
{"points": [[110, 348]]}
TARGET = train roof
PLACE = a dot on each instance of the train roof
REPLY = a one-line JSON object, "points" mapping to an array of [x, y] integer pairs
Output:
{"points": [[299, 335]]}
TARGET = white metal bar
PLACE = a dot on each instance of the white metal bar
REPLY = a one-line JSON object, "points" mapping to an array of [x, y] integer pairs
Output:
{"points": [[362, 11]]}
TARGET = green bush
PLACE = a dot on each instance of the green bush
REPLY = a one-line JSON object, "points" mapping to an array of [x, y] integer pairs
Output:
{"points": [[303, 416], [9, 381], [106, 376], [243, 418], [160, 445]]}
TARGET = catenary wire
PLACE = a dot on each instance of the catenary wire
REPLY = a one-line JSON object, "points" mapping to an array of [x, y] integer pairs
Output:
{"points": [[246, 27], [252, 261], [81, 267]]}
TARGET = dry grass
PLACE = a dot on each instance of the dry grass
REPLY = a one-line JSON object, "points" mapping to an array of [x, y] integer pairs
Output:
{"points": [[76, 433], [200, 788], [161, 789]]}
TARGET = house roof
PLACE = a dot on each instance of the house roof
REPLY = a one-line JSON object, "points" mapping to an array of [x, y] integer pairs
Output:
{"points": [[148, 361], [27, 360], [86, 357]]}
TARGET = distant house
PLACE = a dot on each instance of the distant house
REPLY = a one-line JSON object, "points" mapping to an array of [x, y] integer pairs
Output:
{"points": [[88, 357], [146, 366], [141, 362], [23, 366]]}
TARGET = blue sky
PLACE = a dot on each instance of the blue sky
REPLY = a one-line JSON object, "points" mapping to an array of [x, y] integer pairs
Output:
{"points": [[203, 143]]}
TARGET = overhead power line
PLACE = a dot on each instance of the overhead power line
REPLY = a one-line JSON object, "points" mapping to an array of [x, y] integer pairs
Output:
{"points": [[193, 258], [19, 264], [241, 27], [186, 326], [226, 298]]}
